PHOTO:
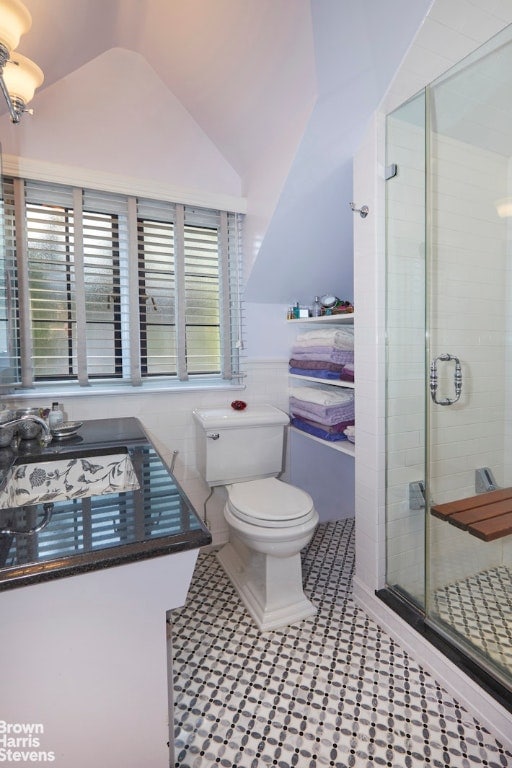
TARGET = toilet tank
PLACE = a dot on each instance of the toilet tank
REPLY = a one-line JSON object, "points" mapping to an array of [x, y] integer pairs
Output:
{"points": [[234, 446]]}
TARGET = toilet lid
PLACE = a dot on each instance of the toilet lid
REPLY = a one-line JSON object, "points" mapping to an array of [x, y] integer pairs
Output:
{"points": [[269, 500]]}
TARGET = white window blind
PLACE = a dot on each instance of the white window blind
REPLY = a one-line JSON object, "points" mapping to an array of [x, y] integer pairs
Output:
{"points": [[117, 288]]}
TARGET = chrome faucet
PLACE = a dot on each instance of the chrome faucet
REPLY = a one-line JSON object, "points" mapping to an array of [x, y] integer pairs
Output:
{"points": [[46, 436]]}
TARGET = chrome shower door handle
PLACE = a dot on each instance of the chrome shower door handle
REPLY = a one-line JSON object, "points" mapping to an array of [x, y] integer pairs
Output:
{"points": [[457, 379]]}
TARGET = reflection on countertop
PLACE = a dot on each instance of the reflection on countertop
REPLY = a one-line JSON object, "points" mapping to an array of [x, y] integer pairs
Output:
{"points": [[100, 529]]}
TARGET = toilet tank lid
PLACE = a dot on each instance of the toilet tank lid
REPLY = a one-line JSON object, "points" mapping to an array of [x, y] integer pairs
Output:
{"points": [[228, 418]]}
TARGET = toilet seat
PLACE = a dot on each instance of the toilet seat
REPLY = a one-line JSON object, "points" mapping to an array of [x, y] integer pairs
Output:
{"points": [[270, 503]]}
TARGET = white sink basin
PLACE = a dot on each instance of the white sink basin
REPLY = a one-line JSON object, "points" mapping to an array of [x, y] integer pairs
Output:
{"points": [[68, 478]]}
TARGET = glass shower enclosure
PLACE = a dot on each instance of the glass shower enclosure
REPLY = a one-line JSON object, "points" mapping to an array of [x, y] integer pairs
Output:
{"points": [[449, 355]]}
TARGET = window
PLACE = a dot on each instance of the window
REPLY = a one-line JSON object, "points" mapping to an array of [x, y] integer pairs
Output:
{"points": [[113, 288]]}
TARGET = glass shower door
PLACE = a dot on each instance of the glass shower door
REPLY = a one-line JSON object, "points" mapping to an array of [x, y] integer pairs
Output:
{"points": [[469, 309], [449, 355]]}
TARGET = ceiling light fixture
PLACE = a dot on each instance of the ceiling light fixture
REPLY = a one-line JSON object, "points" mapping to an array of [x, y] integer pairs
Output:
{"points": [[504, 207], [19, 77]]}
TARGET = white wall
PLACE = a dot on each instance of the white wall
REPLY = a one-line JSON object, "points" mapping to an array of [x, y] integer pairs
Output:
{"points": [[325, 473], [114, 115], [308, 245]]}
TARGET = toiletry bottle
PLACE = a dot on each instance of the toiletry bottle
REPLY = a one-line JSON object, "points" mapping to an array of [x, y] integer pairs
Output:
{"points": [[316, 309], [296, 310], [55, 417]]}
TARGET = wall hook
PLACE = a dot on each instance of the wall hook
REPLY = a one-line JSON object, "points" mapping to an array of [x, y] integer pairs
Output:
{"points": [[363, 211]]}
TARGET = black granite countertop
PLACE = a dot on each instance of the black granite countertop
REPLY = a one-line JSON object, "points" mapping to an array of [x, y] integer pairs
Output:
{"points": [[95, 529]]}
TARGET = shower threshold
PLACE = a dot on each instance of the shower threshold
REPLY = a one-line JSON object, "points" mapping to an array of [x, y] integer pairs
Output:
{"points": [[398, 602]]}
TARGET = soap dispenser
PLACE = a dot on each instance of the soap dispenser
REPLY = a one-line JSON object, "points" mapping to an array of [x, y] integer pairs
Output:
{"points": [[55, 417]]}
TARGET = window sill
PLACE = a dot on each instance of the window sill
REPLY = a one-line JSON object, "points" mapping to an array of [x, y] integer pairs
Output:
{"points": [[59, 390]]}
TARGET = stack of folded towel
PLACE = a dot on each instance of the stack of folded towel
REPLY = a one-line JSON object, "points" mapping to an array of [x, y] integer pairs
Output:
{"points": [[322, 413], [324, 354]]}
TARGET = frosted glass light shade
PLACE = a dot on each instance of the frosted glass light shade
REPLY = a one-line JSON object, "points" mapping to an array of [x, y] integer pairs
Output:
{"points": [[15, 20], [22, 77], [504, 207]]}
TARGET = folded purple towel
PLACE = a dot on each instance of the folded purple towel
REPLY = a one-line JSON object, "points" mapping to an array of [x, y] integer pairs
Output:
{"points": [[317, 373], [296, 362], [333, 429], [317, 431], [325, 414]]}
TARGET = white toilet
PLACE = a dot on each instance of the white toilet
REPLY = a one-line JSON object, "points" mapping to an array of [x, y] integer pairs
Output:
{"points": [[269, 521]]}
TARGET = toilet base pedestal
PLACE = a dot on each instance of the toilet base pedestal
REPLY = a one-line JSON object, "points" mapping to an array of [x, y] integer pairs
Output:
{"points": [[270, 587]]}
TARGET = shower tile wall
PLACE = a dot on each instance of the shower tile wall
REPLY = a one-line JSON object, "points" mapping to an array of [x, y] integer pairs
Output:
{"points": [[470, 308]]}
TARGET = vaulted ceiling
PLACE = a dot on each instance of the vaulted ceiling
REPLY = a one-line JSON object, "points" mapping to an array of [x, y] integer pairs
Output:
{"points": [[231, 63], [283, 89]]}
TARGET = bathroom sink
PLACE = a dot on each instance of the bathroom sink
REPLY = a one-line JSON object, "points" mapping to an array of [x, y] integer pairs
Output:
{"points": [[67, 478]]}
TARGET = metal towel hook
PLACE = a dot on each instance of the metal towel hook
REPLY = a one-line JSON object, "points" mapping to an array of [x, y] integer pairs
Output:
{"points": [[363, 211]]}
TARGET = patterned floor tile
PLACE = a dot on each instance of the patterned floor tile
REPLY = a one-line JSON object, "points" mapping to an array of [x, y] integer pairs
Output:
{"points": [[333, 690], [480, 609]]}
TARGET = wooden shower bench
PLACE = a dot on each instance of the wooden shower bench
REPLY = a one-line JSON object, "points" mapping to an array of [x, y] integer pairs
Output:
{"points": [[486, 515]]}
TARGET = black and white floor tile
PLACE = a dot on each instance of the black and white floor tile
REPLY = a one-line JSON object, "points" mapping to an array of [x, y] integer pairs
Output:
{"points": [[480, 609], [333, 690]]}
